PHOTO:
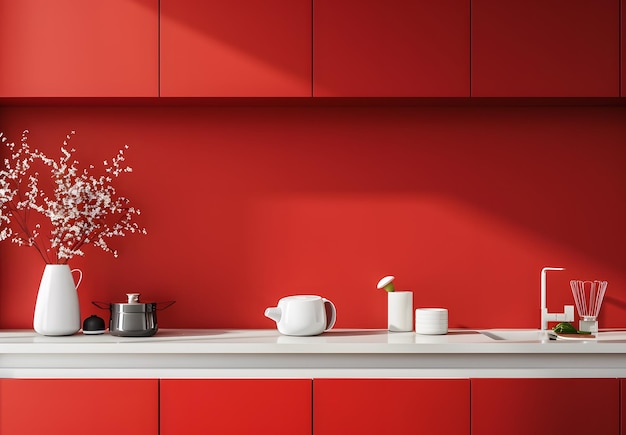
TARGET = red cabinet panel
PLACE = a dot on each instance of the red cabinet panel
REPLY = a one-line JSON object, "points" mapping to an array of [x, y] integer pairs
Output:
{"points": [[535, 48], [623, 410], [236, 406], [391, 48], [236, 48], [623, 45], [391, 406], [76, 48], [545, 406], [76, 406]]}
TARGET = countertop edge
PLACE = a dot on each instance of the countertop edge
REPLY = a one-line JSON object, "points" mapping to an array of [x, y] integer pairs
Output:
{"points": [[267, 354]]}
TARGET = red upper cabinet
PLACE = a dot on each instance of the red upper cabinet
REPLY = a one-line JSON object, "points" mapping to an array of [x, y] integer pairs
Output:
{"points": [[623, 56], [391, 48], [545, 48], [235, 48], [78, 48]]}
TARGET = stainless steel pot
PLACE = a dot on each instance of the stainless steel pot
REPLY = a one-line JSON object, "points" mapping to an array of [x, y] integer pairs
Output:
{"points": [[133, 318]]}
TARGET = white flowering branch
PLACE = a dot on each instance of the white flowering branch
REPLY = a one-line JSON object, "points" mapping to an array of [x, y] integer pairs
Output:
{"points": [[80, 209]]}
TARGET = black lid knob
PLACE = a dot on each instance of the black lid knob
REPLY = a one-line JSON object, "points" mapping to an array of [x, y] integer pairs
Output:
{"points": [[93, 325]]}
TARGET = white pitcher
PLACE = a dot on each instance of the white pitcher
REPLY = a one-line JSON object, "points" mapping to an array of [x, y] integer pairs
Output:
{"points": [[57, 311]]}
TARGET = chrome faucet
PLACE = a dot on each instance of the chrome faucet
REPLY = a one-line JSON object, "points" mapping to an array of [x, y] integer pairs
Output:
{"points": [[566, 316]]}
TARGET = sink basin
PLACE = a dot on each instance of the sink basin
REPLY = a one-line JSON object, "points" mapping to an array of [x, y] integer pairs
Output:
{"points": [[539, 336], [518, 334]]}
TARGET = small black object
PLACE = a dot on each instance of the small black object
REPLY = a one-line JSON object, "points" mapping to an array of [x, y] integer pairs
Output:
{"points": [[93, 325]]}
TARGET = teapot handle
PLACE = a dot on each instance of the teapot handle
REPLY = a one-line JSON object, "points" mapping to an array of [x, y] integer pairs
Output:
{"points": [[333, 314]]}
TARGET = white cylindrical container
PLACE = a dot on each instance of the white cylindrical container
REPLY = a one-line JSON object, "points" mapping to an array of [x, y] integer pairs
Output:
{"points": [[431, 321], [400, 311]]}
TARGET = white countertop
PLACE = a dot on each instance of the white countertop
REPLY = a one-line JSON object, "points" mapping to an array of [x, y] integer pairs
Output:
{"points": [[255, 353]]}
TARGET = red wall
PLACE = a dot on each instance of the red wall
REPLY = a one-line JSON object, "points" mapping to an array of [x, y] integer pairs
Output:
{"points": [[245, 204]]}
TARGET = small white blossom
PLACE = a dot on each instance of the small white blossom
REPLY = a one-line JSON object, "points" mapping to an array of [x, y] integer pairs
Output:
{"points": [[81, 209]]}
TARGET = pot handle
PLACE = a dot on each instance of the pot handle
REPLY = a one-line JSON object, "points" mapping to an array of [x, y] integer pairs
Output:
{"points": [[167, 305], [103, 305]]}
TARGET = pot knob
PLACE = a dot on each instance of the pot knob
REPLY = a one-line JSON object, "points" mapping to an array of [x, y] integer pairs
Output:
{"points": [[133, 298], [93, 325]]}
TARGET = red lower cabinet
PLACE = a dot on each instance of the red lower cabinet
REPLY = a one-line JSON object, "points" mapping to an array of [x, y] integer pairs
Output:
{"points": [[545, 406], [79, 406], [623, 402], [391, 406], [236, 406], [312, 407]]}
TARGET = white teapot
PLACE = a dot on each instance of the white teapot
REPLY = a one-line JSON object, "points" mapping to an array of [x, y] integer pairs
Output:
{"points": [[303, 315]]}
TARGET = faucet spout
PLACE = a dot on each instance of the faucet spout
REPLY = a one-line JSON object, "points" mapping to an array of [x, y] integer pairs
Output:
{"points": [[566, 316]]}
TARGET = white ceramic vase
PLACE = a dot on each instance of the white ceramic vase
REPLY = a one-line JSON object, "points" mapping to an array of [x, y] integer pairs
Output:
{"points": [[57, 311]]}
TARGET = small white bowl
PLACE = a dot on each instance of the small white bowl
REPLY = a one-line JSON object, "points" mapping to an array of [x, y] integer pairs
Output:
{"points": [[431, 329], [431, 321]]}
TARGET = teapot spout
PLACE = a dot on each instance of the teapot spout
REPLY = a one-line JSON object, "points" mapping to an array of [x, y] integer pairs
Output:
{"points": [[274, 313]]}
